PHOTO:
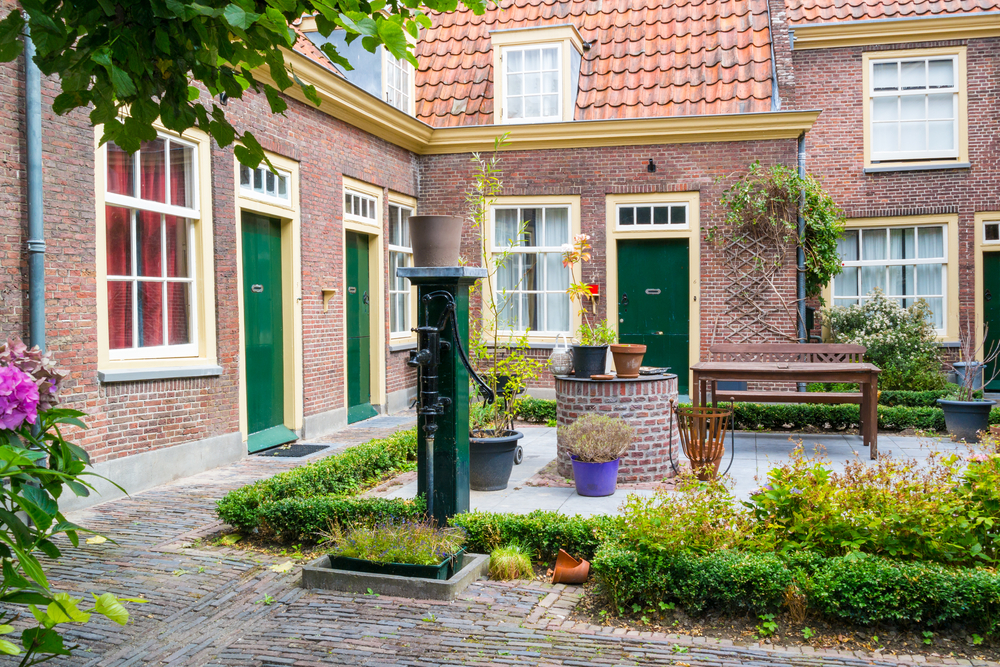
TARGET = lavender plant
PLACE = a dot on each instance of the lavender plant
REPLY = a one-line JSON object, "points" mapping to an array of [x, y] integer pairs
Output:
{"points": [[598, 439]]}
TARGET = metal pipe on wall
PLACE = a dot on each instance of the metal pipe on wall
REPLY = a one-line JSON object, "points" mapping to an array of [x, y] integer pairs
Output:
{"points": [[36, 227], [800, 253]]}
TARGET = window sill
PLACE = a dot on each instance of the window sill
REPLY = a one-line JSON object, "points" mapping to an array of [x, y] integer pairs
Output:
{"points": [[403, 346], [917, 167], [162, 373]]}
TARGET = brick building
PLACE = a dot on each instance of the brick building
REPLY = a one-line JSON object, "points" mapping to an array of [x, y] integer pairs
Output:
{"points": [[207, 310]]}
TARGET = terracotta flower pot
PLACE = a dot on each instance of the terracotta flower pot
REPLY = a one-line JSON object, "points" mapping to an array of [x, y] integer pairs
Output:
{"points": [[628, 359], [569, 570], [436, 239]]}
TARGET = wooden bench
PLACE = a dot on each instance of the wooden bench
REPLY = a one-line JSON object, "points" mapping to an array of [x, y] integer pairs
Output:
{"points": [[787, 352]]}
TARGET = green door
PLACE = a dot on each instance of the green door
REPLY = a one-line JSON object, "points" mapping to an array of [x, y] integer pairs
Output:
{"points": [[262, 323], [653, 308], [991, 308], [358, 305]]}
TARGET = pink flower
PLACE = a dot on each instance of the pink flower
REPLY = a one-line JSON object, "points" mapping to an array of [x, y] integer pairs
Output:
{"points": [[18, 398]]}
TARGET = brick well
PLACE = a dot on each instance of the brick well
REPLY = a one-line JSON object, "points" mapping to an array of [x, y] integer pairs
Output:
{"points": [[644, 403]]}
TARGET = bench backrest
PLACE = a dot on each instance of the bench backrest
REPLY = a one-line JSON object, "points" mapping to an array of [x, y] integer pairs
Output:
{"points": [[806, 353]]}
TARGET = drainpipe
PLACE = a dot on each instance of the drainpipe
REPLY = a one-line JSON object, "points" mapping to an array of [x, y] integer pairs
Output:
{"points": [[800, 254], [36, 229]]}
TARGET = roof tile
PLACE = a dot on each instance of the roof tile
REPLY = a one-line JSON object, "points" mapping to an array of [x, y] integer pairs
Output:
{"points": [[822, 11]]}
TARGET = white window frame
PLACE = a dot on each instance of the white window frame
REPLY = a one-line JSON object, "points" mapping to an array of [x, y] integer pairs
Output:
{"points": [[193, 217], [886, 263], [955, 91], [991, 223], [533, 250], [389, 66], [372, 207], [561, 78], [652, 225], [393, 292], [251, 191]]}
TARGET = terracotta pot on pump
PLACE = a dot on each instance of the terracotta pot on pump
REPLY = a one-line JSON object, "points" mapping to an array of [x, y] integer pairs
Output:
{"points": [[436, 239], [628, 359], [569, 570]]}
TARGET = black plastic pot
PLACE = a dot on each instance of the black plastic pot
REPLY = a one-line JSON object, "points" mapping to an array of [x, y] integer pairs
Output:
{"points": [[965, 419], [491, 461], [442, 570], [589, 360]]}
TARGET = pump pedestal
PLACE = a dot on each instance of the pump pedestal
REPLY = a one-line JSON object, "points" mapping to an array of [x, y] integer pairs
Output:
{"points": [[451, 441]]}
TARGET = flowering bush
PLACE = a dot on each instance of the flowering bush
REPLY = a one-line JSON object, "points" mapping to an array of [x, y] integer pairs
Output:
{"points": [[37, 465], [900, 341]]}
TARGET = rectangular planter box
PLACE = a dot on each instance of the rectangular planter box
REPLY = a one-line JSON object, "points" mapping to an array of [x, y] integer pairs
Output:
{"points": [[443, 570], [321, 574]]}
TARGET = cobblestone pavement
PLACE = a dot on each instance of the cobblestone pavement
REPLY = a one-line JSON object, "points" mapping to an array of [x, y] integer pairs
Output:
{"points": [[224, 607]]}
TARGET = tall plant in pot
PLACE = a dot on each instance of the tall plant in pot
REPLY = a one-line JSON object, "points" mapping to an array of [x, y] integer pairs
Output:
{"points": [[590, 352], [501, 356], [965, 416], [596, 444]]}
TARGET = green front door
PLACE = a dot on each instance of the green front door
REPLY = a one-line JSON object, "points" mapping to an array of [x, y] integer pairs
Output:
{"points": [[262, 323], [358, 305], [653, 308], [991, 309]]}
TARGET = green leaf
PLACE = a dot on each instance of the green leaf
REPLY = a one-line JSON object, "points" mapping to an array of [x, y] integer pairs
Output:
{"points": [[25, 597], [393, 37], [107, 605], [63, 609], [44, 640], [32, 568], [9, 648], [40, 498], [11, 28], [49, 549], [193, 93], [6, 629], [238, 17], [122, 82], [275, 100]]}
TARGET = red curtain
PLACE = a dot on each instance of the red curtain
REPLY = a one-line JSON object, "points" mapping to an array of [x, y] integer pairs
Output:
{"points": [[149, 243], [119, 250]]}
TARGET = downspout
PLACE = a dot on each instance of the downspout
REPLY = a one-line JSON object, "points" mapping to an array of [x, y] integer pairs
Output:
{"points": [[800, 253], [36, 228], [775, 93]]}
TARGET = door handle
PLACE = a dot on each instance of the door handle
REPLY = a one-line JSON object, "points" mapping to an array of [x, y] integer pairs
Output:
{"points": [[988, 296], [365, 300], [624, 302]]}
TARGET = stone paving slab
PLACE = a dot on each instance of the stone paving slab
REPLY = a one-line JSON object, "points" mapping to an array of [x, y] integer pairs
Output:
{"points": [[227, 608]]}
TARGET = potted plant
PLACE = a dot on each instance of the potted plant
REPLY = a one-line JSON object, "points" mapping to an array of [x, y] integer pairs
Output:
{"points": [[590, 352], [628, 359], [406, 549], [965, 416], [596, 444], [436, 240], [502, 358]]}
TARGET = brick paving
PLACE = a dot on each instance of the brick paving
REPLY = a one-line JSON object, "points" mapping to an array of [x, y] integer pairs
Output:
{"points": [[225, 607]]}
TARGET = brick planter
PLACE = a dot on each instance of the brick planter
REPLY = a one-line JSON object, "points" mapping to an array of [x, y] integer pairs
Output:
{"points": [[644, 403]]}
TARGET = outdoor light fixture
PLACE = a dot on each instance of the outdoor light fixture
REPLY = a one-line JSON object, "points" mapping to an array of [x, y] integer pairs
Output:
{"points": [[651, 167]]}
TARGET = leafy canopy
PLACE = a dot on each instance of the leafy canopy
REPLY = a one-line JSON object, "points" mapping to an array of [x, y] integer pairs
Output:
{"points": [[142, 57]]}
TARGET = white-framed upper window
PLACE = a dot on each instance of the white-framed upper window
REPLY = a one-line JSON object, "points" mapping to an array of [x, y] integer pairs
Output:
{"points": [[360, 207], [533, 83], [397, 82], [262, 183], [991, 231], [906, 263], [914, 108], [644, 216], [151, 209], [400, 256], [532, 282]]}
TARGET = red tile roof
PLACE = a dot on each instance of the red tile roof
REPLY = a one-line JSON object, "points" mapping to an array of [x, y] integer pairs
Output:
{"points": [[820, 11], [649, 58]]}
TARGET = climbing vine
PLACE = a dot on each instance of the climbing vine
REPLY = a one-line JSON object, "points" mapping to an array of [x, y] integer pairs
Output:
{"points": [[762, 206]]}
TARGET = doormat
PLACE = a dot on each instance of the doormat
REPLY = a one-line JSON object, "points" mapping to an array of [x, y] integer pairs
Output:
{"points": [[294, 451]]}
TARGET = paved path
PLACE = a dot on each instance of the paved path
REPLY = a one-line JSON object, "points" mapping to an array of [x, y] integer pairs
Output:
{"points": [[227, 607]]}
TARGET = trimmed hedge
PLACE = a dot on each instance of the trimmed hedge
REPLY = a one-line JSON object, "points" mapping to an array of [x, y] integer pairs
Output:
{"points": [[342, 474], [859, 589], [536, 410], [780, 416], [301, 519], [541, 532]]}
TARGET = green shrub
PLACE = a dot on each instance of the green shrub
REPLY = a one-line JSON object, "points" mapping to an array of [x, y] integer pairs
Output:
{"points": [[342, 474], [780, 416], [892, 397], [410, 542], [536, 410], [510, 562], [540, 532], [302, 519], [900, 341]]}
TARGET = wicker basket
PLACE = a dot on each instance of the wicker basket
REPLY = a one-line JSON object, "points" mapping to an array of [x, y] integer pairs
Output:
{"points": [[703, 435]]}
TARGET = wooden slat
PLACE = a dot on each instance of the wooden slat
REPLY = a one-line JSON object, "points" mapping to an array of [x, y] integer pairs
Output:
{"points": [[832, 397], [788, 352]]}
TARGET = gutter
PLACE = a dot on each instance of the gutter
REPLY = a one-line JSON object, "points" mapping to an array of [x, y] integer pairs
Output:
{"points": [[36, 227], [800, 254]]}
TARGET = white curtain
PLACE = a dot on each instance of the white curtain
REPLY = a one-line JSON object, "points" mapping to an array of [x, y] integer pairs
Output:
{"points": [[873, 244], [931, 242], [556, 227], [901, 244]]}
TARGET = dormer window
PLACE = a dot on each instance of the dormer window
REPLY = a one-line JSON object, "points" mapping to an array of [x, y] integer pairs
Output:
{"points": [[536, 73], [397, 81]]}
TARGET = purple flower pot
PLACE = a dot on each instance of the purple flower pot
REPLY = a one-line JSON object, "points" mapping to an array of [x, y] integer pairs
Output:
{"points": [[595, 479]]}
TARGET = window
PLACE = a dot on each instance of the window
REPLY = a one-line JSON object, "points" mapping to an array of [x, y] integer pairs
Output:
{"points": [[264, 183], [632, 216], [360, 207], [914, 108], [151, 207], [906, 263], [532, 83], [532, 282], [400, 255], [398, 74], [991, 231]]}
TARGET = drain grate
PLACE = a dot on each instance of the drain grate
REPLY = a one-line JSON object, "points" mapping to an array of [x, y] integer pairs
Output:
{"points": [[294, 451]]}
